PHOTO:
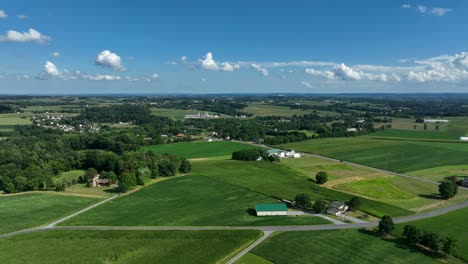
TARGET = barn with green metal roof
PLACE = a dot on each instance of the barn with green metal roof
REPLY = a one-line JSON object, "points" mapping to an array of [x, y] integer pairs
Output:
{"points": [[271, 209]]}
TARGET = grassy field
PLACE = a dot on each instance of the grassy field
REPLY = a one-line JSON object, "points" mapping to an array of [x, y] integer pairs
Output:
{"points": [[188, 200], [199, 149], [280, 181], [69, 175], [393, 155], [30, 210], [337, 246], [261, 109], [416, 134], [127, 247], [179, 114], [8, 121], [453, 224], [439, 173]]}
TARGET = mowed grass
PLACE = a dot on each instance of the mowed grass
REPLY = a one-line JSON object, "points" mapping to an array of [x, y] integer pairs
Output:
{"points": [[416, 134], [30, 210], [337, 246], [399, 191], [281, 181], [453, 224], [139, 247], [439, 173], [188, 200], [393, 155], [195, 150], [261, 109], [69, 175]]}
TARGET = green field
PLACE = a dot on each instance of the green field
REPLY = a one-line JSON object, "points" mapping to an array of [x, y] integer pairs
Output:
{"points": [[69, 175], [199, 149], [439, 173], [393, 155], [127, 247], [261, 109], [8, 121], [416, 134], [188, 200], [31, 210], [453, 224], [280, 181], [337, 246]]}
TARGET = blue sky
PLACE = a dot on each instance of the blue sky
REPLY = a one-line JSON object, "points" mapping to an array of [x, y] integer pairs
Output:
{"points": [[237, 46]]}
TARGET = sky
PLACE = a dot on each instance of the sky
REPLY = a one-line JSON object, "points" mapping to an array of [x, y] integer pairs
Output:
{"points": [[101, 47]]}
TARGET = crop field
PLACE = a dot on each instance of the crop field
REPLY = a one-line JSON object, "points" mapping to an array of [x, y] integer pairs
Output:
{"points": [[409, 123], [188, 200], [8, 121], [260, 109], [416, 134], [402, 192], [179, 114], [52, 108], [280, 181], [337, 246], [199, 149], [393, 155], [30, 210], [439, 173], [138, 247], [453, 224]]}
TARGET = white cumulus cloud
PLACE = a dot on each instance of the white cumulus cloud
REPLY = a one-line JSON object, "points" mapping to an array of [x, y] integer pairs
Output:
{"points": [[326, 74], [111, 60], [102, 77], [3, 14], [208, 63], [31, 35], [259, 69], [51, 69], [422, 9]]}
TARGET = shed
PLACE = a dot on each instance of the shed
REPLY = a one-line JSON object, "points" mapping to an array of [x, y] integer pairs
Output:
{"points": [[271, 209], [337, 208]]}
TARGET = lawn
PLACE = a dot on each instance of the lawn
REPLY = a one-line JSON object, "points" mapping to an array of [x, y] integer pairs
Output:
{"points": [[31, 210], [199, 149], [337, 246], [281, 181], [393, 155], [453, 224], [439, 173], [128, 247], [184, 201]]}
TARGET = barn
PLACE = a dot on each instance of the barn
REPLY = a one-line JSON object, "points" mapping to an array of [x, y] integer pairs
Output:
{"points": [[271, 209]]}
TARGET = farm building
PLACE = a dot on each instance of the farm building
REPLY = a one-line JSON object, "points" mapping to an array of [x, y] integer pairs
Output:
{"points": [[337, 208], [436, 121], [464, 138], [284, 154], [96, 182], [271, 209]]}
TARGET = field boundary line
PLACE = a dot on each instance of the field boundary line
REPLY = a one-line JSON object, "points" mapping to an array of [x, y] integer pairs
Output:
{"points": [[266, 234]]}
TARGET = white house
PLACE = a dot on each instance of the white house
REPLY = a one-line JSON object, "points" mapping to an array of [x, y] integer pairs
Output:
{"points": [[271, 209], [96, 182], [292, 154], [337, 208], [436, 121]]}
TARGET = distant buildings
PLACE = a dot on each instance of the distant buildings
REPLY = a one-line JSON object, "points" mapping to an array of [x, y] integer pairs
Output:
{"points": [[271, 209], [201, 116], [284, 154]]}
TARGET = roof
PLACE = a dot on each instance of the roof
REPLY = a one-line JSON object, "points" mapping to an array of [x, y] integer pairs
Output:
{"points": [[270, 207], [335, 204], [273, 151]]}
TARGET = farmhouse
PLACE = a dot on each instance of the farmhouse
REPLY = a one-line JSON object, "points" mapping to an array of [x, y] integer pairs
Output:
{"points": [[276, 152], [337, 208], [271, 209], [436, 121], [292, 154], [96, 182]]}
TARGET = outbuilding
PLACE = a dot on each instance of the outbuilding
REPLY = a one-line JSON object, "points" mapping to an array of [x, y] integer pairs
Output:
{"points": [[271, 209]]}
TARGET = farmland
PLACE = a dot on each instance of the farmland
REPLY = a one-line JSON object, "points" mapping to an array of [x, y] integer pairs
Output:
{"points": [[415, 134], [179, 114], [199, 149], [281, 181], [124, 246], [439, 173], [452, 224], [261, 109], [337, 246], [30, 210], [8, 121], [188, 200], [393, 155]]}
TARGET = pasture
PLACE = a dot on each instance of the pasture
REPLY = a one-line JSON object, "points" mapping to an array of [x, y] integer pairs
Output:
{"points": [[194, 150], [30, 210], [393, 155], [128, 247], [188, 200], [451, 224], [281, 181], [337, 246], [439, 173]]}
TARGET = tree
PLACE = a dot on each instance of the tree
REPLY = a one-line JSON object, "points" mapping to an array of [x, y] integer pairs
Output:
{"points": [[90, 173], [185, 166], [449, 244], [126, 181], [303, 200], [386, 225], [448, 189], [320, 206], [425, 126], [412, 234], [431, 240], [355, 202], [321, 177]]}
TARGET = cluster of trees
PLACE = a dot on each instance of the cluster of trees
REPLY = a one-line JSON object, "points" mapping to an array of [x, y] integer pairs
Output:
{"points": [[448, 189], [254, 154], [416, 237], [6, 109], [277, 138]]}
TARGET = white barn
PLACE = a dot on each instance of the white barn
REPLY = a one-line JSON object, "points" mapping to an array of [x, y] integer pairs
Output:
{"points": [[271, 209]]}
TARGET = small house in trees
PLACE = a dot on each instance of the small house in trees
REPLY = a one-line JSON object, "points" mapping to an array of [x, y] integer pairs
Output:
{"points": [[337, 208], [271, 209], [96, 182]]}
